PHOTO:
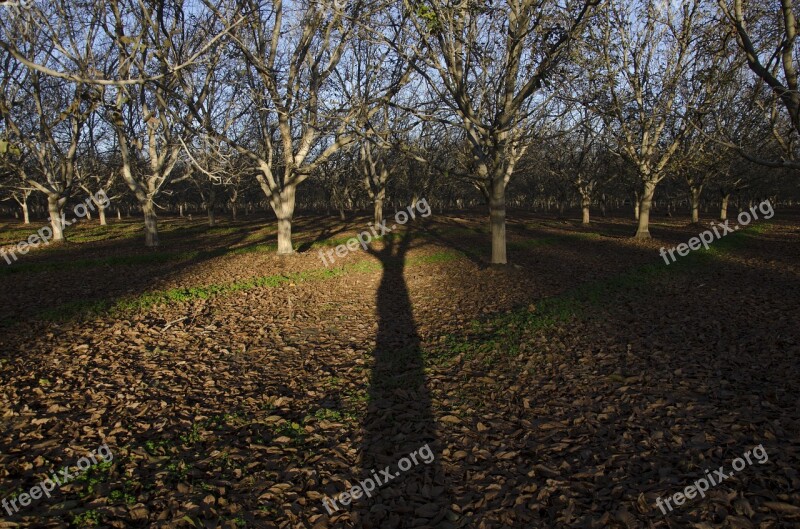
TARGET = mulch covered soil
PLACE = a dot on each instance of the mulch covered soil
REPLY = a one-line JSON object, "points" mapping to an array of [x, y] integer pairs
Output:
{"points": [[573, 388]]}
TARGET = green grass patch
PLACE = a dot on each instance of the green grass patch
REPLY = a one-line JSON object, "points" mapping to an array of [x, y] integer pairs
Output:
{"points": [[148, 300], [501, 335]]}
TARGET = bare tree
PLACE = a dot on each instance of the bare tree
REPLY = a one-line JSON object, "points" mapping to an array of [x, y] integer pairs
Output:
{"points": [[654, 75], [580, 158], [42, 116], [297, 95], [767, 34], [488, 64], [149, 135], [13, 176]]}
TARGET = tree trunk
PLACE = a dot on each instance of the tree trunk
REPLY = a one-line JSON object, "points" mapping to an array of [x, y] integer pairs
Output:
{"points": [[284, 209], [636, 205], [696, 190], [497, 213], [234, 211], [26, 217], [101, 212], [378, 210], [212, 199], [180, 210], [723, 210], [585, 203], [54, 207], [643, 229], [150, 225]]}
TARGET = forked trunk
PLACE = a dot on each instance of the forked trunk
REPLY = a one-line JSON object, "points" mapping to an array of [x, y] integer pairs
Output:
{"points": [[150, 225], [497, 212], [54, 206], [643, 229]]}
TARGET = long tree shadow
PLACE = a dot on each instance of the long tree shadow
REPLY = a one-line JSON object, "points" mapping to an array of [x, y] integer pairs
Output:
{"points": [[399, 418]]}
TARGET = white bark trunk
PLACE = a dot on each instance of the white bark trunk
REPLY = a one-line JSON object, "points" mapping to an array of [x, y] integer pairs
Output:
{"points": [[585, 203], [101, 212], [283, 205], [54, 207], [26, 217], [723, 210]]}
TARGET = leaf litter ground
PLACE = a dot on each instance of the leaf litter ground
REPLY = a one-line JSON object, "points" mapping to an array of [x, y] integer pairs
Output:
{"points": [[237, 388]]}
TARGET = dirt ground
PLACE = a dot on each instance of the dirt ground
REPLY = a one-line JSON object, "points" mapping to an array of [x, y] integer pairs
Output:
{"points": [[573, 388]]}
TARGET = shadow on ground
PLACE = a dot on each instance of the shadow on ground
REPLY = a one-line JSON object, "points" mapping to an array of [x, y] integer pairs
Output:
{"points": [[399, 429]]}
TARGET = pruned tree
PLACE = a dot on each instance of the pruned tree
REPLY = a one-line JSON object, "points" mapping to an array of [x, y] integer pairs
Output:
{"points": [[43, 117], [655, 74], [147, 39], [290, 77], [488, 65]]}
